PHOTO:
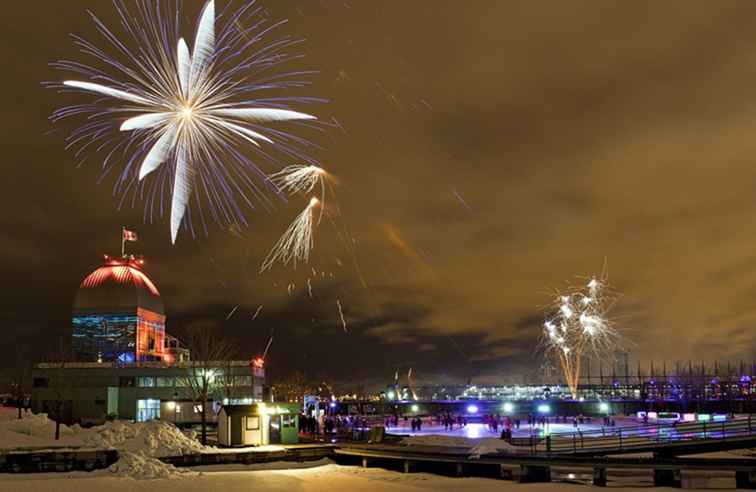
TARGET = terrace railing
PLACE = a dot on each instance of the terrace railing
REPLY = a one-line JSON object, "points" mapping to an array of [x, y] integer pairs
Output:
{"points": [[641, 437]]}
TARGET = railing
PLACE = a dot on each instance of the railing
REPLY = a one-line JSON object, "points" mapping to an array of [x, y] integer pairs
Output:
{"points": [[637, 437]]}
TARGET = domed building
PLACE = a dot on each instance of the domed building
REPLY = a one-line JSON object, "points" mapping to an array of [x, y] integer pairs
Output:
{"points": [[118, 315]]}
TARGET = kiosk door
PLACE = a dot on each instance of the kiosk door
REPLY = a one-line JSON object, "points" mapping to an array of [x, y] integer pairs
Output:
{"points": [[275, 429]]}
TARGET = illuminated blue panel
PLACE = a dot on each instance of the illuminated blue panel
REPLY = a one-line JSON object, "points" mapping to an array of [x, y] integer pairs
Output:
{"points": [[104, 336]]}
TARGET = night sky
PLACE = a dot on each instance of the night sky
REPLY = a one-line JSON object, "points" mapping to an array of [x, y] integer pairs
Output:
{"points": [[489, 152]]}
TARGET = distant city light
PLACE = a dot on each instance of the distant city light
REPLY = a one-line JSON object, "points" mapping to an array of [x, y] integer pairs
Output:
{"points": [[415, 408], [472, 409], [508, 407], [391, 395], [332, 404], [544, 408]]}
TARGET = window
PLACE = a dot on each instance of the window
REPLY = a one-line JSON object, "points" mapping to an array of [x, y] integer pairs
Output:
{"points": [[243, 380], [147, 410], [253, 423], [146, 381], [289, 420], [40, 383], [164, 382], [126, 382], [197, 408]]}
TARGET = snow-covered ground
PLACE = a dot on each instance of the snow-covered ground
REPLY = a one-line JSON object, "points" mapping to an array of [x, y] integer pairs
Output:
{"points": [[328, 477], [476, 447]]}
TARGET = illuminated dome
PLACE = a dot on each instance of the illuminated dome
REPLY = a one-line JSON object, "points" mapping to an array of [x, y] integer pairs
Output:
{"points": [[119, 284], [118, 315]]}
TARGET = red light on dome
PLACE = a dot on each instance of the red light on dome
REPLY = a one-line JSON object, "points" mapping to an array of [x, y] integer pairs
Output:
{"points": [[258, 362], [122, 274]]}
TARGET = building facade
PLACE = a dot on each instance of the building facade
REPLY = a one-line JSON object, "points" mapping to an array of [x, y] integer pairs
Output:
{"points": [[124, 365], [91, 392]]}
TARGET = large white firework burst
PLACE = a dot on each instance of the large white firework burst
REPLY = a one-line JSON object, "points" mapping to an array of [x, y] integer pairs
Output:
{"points": [[579, 326], [187, 109]]}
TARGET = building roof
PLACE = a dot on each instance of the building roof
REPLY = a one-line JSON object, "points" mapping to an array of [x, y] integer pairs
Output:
{"points": [[118, 286], [250, 409]]}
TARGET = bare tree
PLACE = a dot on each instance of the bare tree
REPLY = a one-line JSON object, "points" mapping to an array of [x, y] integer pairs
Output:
{"points": [[58, 384], [292, 388], [208, 370], [20, 378]]}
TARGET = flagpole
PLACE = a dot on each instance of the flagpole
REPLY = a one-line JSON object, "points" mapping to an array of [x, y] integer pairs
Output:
{"points": [[123, 241]]}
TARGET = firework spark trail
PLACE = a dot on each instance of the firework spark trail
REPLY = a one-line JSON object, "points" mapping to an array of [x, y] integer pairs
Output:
{"points": [[228, 317], [309, 287], [580, 327], [462, 201], [190, 111], [296, 243], [299, 178], [259, 308], [341, 315], [267, 347]]}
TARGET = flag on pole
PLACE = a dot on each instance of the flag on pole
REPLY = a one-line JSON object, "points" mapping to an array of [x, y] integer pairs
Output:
{"points": [[129, 235]]}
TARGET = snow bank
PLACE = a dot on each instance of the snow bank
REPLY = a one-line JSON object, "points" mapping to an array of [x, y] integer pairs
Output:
{"points": [[154, 438], [142, 467], [139, 444], [36, 425], [476, 446]]}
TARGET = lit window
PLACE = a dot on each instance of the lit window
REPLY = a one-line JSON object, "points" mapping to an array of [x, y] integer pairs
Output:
{"points": [[146, 381], [253, 423]]}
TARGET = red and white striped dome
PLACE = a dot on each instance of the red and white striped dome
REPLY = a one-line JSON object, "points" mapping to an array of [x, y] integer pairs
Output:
{"points": [[119, 285]]}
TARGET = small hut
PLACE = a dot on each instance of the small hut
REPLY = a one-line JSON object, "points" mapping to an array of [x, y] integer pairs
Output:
{"points": [[258, 424]]}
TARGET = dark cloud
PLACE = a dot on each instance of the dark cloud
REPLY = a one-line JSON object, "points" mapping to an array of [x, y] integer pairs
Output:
{"points": [[490, 152]]}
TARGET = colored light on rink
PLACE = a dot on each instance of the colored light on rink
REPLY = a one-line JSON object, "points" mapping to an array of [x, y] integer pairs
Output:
{"points": [[604, 406], [719, 417], [472, 409], [652, 415], [415, 408], [544, 408], [508, 407], [689, 417], [704, 417]]}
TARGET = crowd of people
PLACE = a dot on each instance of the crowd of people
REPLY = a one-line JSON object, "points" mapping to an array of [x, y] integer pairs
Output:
{"points": [[331, 424], [503, 426]]}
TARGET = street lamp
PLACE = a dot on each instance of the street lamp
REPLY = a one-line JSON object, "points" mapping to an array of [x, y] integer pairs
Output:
{"points": [[176, 408]]}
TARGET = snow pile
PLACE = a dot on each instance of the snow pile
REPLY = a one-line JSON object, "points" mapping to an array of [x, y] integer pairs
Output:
{"points": [[36, 425], [154, 438], [141, 467], [476, 446], [140, 445]]}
